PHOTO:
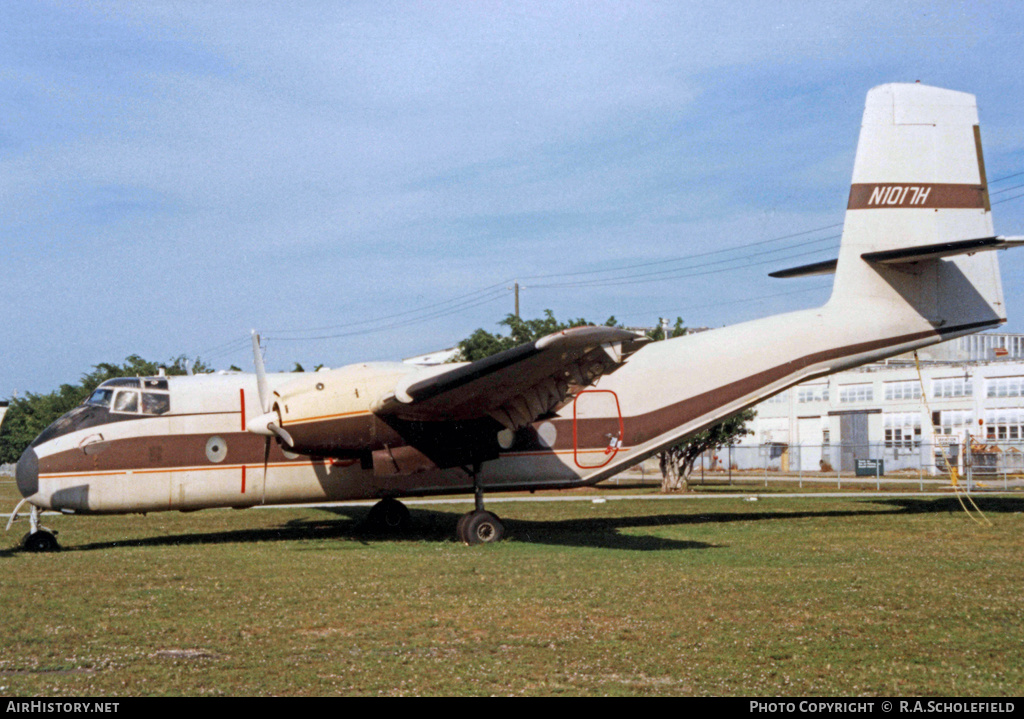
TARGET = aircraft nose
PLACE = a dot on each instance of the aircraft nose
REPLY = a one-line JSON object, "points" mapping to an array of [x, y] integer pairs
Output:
{"points": [[26, 473]]}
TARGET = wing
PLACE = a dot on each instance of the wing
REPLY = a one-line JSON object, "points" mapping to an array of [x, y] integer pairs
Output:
{"points": [[516, 386]]}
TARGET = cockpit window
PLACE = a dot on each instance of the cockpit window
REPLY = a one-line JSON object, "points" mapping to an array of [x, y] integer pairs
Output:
{"points": [[121, 382], [100, 398], [155, 403], [126, 401]]}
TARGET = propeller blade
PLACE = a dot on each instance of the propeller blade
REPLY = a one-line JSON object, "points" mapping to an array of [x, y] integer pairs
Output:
{"points": [[261, 374], [266, 461], [266, 423], [282, 433]]}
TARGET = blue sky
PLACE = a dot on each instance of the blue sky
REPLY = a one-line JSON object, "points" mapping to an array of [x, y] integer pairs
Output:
{"points": [[174, 174]]}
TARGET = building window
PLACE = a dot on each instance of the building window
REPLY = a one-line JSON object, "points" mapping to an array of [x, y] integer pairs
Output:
{"points": [[812, 393], [1004, 386], [902, 429], [856, 393], [910, 389], [951, 387], [1004, 425], [780, 398], [954, 422]]}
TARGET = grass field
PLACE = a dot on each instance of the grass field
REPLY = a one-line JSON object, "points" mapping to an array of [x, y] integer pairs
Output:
{"points": [[784, 596]]}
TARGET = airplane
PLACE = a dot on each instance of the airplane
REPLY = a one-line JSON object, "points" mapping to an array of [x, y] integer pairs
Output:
{"points": [[915, 267]]}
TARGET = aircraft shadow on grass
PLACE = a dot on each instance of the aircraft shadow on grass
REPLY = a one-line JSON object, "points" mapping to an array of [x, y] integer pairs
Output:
{"points": [[430, 525]]}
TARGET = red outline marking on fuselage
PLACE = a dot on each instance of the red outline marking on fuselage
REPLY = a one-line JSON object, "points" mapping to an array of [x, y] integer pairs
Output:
{"points": [[575, 444]]}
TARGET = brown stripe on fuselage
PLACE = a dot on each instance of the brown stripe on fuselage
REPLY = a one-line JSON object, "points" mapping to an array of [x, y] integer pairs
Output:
{"points": [[162, 452], [920, 195]]}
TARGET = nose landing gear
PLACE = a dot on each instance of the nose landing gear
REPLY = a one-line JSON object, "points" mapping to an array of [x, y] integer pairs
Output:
{"points": [[39, 538], [40, 541]]}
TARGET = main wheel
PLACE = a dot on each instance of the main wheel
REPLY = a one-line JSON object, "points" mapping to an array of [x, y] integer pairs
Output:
{"points": [[41, 541], [389, 515], [480, 527], [460, 527]]}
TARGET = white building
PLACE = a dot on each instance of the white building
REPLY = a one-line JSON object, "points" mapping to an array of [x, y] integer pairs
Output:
{"points": [[899, 413]]}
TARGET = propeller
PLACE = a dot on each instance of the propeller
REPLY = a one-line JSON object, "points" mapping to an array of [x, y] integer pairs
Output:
{"points": [[268, 423]]}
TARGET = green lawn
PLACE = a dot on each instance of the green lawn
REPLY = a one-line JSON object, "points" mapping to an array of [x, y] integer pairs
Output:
{"points": [[785, 596]]}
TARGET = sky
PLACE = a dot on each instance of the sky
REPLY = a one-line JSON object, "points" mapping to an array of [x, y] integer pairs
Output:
{"points": [[367, 180]]}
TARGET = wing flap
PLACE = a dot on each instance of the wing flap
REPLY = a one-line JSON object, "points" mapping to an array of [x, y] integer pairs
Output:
{"points": [[516, 386]]}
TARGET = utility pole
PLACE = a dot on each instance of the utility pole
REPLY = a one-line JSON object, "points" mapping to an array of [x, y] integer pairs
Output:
{"points": [[516, 288]]}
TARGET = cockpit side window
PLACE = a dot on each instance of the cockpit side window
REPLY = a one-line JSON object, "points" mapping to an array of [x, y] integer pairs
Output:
{"points": [[155, 403], [100, 398], [126, 401]]}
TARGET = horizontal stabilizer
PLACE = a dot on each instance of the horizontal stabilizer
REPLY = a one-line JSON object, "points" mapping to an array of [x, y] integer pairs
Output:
{"points": [[908, 255], [827, 267], [941, 249]]}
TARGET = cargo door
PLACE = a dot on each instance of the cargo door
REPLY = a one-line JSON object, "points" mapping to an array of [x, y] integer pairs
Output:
{"points": [[597, 428]]}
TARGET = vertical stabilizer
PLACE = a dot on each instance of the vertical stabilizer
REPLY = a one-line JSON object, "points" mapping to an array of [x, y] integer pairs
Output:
{"points": [[919, 181]]}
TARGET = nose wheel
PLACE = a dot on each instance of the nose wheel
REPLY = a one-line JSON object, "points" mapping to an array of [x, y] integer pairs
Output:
{"points": [[41, 541], [39, 538]]}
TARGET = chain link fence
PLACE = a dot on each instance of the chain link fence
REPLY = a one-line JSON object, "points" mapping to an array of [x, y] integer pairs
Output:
{"points": [[993, 465]]}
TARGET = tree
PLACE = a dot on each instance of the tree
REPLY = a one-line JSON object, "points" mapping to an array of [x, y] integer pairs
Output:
{"points": [[482, 343], [677, 461], [677, 331], [29, 415]]}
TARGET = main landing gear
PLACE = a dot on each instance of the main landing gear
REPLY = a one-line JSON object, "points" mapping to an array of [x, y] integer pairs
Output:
{"points": [[39, 538], [479, 526], [389, 515]]}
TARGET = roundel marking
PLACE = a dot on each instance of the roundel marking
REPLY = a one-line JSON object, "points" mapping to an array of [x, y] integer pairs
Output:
{"points": [[216, 449]]}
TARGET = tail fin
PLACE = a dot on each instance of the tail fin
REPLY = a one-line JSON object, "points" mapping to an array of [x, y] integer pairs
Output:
{"points": [[918, 205]]}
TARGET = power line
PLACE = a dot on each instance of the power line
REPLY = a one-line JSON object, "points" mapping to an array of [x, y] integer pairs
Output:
{"points": [[815, 288], [394, 325], [675, 274], [468, 297], [687, 257], [1006, 189], [1005, 177], [1007, 199]]}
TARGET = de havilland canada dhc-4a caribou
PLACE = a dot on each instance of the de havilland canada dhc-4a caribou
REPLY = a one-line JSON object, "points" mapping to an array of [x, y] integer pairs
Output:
{"points": [[573, 408]]}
